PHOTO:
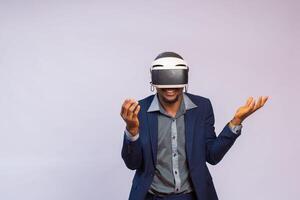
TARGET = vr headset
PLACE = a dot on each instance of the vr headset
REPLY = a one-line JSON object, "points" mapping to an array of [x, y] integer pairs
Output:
{"points": [[169, 70]]}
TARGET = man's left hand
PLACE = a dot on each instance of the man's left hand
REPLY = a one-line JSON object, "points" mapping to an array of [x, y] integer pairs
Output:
{"points": [[250, 107]]}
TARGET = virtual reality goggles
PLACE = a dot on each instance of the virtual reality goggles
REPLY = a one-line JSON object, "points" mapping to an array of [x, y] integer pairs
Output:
{"points": [[169, 70]]}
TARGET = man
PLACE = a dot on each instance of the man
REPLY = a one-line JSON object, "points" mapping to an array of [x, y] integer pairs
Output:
{"points": [[170, 136]]}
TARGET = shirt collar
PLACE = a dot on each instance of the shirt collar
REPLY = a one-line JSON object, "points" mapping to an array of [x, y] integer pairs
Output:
{"points": [[155, 103]]}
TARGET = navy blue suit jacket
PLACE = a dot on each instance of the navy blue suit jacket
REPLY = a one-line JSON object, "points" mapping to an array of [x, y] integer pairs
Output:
{"points": [[201, 145]]}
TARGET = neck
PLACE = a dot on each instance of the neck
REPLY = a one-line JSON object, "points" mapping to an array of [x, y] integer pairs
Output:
{"points": [[172, 108]]}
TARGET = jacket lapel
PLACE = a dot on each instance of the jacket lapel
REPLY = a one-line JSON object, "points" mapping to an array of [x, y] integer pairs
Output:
{"points": [[153, 132], [189, 121]]}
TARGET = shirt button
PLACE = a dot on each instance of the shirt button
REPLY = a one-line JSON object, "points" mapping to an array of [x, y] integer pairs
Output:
{"points": [[174, 137], [175, 172], [177, 189], [175, 154]]}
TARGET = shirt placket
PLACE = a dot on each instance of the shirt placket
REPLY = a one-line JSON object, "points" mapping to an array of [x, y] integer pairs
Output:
{"points": [[175, 165]]}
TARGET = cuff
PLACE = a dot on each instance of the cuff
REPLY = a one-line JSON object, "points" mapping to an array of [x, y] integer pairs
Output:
{"points": [[131, 137]]}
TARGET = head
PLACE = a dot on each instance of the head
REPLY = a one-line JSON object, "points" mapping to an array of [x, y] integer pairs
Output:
{"points": [[169, 75]]}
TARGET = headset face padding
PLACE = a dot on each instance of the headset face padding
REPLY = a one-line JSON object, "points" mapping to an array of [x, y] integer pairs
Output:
{"points": [[169, 72]]}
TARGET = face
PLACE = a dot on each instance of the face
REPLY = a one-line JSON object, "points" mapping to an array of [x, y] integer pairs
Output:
{"points": [[169, 95]]}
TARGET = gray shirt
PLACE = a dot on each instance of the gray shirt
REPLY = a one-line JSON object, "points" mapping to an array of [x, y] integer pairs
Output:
{"points": [[171, 171]]}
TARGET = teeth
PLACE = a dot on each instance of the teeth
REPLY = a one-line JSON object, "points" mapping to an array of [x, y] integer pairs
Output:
{"points": [[170, 91]]}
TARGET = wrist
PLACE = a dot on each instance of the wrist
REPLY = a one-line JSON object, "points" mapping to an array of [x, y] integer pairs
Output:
{"points": [[133, 131], [235, 122]]}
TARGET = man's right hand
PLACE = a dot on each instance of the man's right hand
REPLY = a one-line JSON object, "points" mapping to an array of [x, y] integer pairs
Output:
{"points": [[129, 112]]}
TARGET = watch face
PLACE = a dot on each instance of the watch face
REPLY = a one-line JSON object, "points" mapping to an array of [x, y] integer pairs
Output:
{"points": [[237, 128]]}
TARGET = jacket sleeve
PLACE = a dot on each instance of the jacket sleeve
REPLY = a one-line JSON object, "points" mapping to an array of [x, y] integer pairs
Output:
{"points": [[216, 147], [132, 153]]}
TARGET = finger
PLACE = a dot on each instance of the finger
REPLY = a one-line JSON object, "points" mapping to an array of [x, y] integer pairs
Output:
{"points": [[265, 100], [252, 105], [136, 111], [258, 103], [249, 101], [123, 106], [126, 107], [131, 109], [252, 100]]}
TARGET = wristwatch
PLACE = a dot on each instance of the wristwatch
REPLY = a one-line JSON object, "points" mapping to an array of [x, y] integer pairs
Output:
{"points": [[236, 128]]}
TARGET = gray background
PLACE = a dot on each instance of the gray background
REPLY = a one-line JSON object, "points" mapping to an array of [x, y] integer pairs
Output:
{"points": [[67, 66]]}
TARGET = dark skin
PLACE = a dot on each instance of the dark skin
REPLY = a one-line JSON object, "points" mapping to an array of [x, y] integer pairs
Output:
{"points": [[170, 99]]}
